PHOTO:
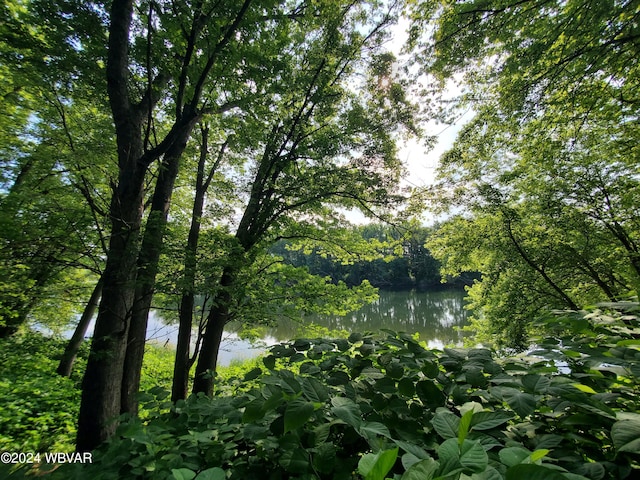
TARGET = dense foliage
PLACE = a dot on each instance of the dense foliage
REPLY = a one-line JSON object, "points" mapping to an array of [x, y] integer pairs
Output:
{"points": [[542, 182], [404, 261], [389, 408], [39, 407]]}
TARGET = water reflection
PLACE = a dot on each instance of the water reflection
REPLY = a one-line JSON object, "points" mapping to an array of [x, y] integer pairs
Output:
{"points": [[435, 316]]}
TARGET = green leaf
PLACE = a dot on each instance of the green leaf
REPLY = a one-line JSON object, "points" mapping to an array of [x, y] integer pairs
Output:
{"points": [[338, 377], [370, 430], [183, 474], [422, 470], [530, 471], [473, 456], [489, 420], [269, 362], [376, 466], [626, 436], [536, 383], [522, 403], [253, 411], [414, 450], [406, 387], [347, 411], [489, 473], [584, 388], [538, 455], [294, 460], [314, 390], [297, 413], [430, 394], [511, 456], [253, 374], [215, 473], [465, 423], [470, 457], [446, 424]]}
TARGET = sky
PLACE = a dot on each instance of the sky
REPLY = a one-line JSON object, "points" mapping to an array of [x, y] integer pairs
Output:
{"points": [[421, 163]]}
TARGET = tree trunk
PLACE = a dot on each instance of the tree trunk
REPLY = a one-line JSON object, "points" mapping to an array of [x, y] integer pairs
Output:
{"points": [[147, 270], [183, 360], [101, 386], [77, 339], [212, 337]]}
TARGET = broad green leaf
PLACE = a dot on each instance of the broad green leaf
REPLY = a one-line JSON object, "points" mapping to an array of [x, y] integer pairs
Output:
{"points": [[406, 387], [475, 377], [297, 413], [370, 430], [415, 450], [338, 377], [463, 428], [295, 460], [475, 407], [430, 394], [530, 471], [252, 374], [511, 456], [422, 470], [489, 420], [376, 466], [254, 410], [446, 423], [269, 362], [314, 390], [626, 436], [215, 473], [471, 456], [321, 433], [489, 473], [522, 403], [183, 474], [347, 411], [538, 455], [584, 388], [536, 383]]}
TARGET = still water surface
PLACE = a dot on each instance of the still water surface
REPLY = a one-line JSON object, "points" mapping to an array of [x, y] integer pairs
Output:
{"points": [[436, 316]]}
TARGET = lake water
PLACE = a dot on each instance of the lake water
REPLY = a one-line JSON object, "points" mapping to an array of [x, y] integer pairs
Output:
{"points": [[436, 316]]}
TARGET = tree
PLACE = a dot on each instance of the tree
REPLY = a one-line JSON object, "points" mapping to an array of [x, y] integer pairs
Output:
{"points": [[158, 88], [547, 168], [52, 213], [320, 146]]}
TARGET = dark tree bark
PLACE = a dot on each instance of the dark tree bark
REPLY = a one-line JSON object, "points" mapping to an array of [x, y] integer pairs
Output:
{"points": [[101, 386], [148, 259], [65, 366], [212, 337], [184, 359]]}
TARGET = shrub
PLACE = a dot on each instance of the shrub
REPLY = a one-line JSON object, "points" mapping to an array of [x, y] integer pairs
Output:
{"points": [[375, 409]]}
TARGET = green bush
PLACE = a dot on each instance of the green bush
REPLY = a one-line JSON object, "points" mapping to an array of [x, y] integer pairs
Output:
{"points": [[375, 409], [39, 408]]}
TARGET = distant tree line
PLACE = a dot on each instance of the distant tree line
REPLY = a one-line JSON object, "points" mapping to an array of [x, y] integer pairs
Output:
{"points": [[407, 264]]}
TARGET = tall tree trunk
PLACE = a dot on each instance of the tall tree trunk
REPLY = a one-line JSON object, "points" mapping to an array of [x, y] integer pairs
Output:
{"points": [[102, 382], [212, 337], [101, 386], [148, 259], [184, 360], [77, 339]]}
